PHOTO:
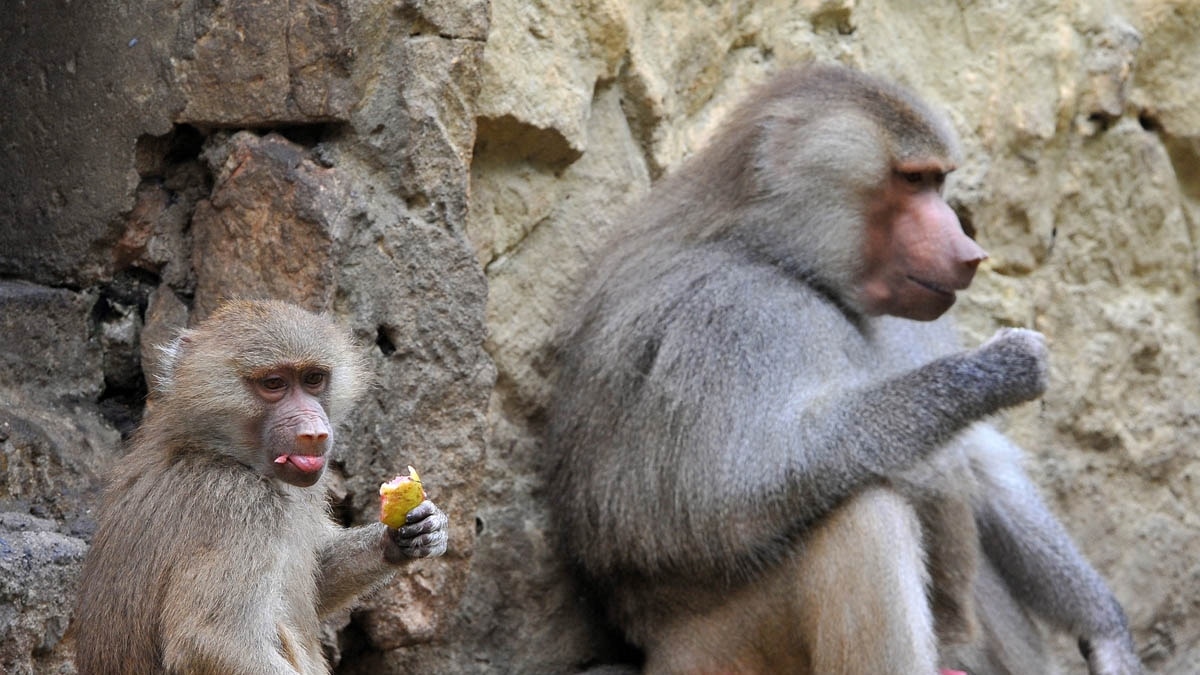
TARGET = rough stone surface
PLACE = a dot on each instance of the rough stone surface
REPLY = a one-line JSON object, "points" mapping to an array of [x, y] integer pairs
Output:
{"points": [[48, 346], [413, 293], [436, 175], [38, 577], [52, 460], [267, 229], [266, 63], [316, 152], [83, 82]]}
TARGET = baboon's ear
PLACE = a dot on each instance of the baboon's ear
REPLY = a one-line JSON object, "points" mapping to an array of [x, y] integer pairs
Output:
{"points": [[170, 355]]}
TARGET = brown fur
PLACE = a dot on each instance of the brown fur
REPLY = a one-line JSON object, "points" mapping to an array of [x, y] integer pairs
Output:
{"points": [[205, 561]]}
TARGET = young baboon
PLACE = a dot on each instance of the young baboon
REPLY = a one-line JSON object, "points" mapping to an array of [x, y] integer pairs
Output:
{"points": [[769, 441], [216, 552]]}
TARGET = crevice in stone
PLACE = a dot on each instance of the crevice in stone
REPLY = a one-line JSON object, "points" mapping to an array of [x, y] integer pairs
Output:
{"points": [[1149, 121], [306, 135], [174, 178], [1101, 121], [117, 320], [384, 342], [417, 24], [966, 217], [354, 648], [501, 256], [837, 19], [154, 249], [1185, 160], [641, 115], [513, 138], [341, 507]]}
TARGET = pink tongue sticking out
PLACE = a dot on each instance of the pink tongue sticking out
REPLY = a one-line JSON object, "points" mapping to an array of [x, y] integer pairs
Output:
{"points": [[306, 463]]}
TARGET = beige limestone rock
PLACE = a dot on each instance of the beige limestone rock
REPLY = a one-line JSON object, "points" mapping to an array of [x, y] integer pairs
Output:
{"points": [[543, 104], [1081, 174]]}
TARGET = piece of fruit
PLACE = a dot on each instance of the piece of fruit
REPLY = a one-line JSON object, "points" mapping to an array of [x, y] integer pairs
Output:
{"points": [[398, 496]]}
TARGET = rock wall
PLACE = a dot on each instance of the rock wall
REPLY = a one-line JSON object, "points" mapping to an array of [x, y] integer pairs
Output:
{"points": [[157, 160], [436, 175]]}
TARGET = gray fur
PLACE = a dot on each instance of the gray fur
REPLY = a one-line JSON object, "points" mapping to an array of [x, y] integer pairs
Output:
{"points": [[720, 392]]}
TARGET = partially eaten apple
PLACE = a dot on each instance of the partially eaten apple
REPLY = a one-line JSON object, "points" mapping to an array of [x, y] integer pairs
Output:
{"points": [[398, 496]]}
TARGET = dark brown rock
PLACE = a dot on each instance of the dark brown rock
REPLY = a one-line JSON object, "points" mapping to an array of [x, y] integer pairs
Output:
{"points": [[81, 83], [266, 231], [255, 64]]}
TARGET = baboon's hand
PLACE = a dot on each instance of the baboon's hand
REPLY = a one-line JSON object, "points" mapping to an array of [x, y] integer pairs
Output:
{"points": [[423, 535], [1017, 359]]}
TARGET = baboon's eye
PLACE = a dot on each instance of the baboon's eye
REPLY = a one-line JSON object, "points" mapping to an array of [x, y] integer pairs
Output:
{"points": [[273, 383], [315, 379]]}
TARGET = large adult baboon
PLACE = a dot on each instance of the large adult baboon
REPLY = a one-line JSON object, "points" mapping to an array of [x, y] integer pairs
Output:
{"points": [[772, 452]]}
